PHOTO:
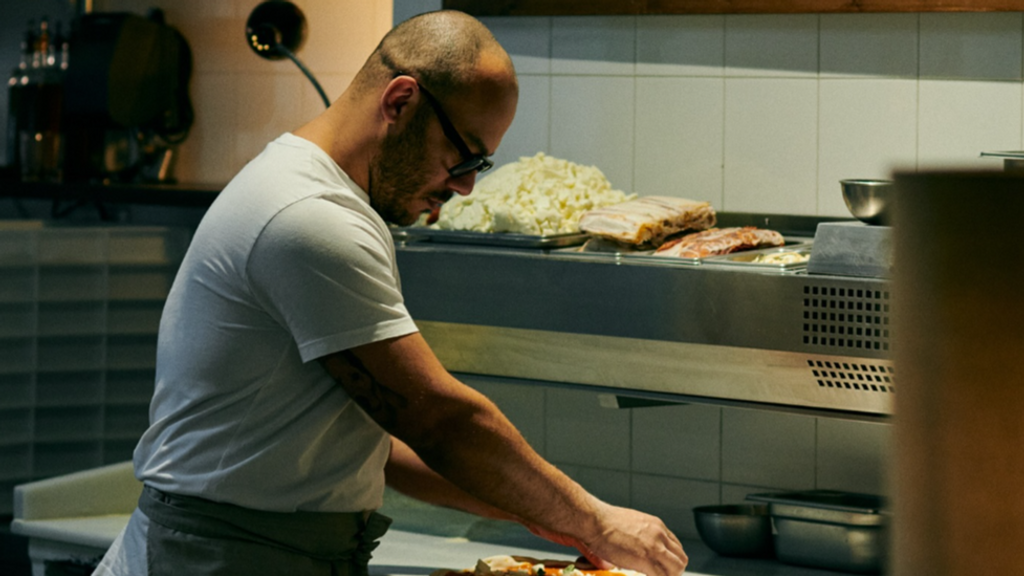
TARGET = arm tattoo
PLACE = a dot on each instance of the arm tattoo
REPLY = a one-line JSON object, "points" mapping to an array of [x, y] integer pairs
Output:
{"points": [[376, 399]]}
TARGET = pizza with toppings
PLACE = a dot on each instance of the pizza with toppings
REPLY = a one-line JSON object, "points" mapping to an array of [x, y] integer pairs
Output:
{"points": [[524, 566]]}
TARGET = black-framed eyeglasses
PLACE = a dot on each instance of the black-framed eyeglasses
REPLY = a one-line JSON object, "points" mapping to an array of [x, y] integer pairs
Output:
{"points": [[471, 162]]}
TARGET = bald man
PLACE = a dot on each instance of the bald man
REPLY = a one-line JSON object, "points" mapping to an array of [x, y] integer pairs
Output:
{"points": [[291, 381]]}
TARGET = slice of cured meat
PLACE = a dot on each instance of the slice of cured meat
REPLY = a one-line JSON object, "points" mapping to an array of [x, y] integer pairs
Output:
{"points": [[647, 220], [718, 241]]}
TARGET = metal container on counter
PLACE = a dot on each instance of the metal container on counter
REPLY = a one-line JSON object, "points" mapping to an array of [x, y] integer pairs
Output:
{"points": [[829, 529]]}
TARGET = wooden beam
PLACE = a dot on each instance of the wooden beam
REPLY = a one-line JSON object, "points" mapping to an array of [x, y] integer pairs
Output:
{"points": [[635, 7]]}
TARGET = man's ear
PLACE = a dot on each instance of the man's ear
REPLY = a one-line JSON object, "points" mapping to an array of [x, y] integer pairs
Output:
{"points": [[397, 97]]}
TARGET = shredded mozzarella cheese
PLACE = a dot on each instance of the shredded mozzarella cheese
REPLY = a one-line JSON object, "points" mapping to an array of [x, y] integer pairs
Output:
{"points": [[538, 195]]}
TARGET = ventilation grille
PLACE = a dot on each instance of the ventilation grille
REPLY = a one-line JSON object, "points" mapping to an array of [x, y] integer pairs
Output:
{"points": [[846, 318], [853, 376]]}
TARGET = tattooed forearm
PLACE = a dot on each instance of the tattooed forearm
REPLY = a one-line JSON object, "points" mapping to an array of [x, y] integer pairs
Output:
{"points": [[379, 401]]}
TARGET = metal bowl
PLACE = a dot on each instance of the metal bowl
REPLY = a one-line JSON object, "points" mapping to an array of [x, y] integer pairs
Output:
{"points": [[870, 201], [735, 529]]}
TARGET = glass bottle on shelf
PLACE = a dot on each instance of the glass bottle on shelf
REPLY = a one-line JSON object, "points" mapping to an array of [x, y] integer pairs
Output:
{"points": [[17, 86], [40, 136]]}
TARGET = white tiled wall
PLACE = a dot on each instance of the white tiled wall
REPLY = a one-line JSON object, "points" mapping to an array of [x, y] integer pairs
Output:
{"points": [[763, 112], [668, 459], [243, 101]]}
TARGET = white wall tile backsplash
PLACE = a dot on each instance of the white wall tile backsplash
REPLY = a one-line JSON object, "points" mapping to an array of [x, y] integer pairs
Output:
{"points": [[531, 129], [592, 123], [579, 431], [771, 145], [679, 138], [603, 45], [868, 45], [526, 39], [851, 456], [937, 90], [768, 448], [680, 45], [772, 45], [984, 46], [958, 120], [683, 441], [866, 128]]}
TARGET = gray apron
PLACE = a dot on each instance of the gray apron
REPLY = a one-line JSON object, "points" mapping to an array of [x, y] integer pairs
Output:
{"points": [[191, 536]]}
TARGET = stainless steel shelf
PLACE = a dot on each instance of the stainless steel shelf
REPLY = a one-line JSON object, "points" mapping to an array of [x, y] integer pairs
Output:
{"points": [[697, 333]]}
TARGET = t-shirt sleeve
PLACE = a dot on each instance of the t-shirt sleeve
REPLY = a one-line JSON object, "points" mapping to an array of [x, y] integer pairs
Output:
{"points": [[326, 273]]}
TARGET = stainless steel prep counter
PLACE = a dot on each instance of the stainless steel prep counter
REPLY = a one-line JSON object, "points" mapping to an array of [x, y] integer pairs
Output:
{"points": [[641, 331]]}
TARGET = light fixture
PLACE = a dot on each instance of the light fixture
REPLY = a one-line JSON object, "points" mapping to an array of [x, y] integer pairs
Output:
{"points": [[276, 29]]}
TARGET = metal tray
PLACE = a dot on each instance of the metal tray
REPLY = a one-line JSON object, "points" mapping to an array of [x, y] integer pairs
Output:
{"points": [[501, 239], [825, 506], [648, 257], [829, 529], [746, 259], [402, 235]]}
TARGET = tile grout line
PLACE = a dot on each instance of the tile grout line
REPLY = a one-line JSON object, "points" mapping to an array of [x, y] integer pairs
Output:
{"points": [[817, 130], [636, 59], [721, 454], [721, 166], [917, 102]]}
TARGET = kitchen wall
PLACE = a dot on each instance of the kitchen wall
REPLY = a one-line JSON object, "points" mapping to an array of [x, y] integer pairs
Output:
{"points": [[763, 113], [753, 113], [243, 101], [665, 460]]}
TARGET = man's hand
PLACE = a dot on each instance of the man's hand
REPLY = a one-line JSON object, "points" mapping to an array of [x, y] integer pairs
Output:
{"points": [[638, 541], [629, 539]]}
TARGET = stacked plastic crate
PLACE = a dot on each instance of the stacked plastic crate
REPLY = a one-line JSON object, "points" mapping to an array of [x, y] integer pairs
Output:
{"points": [[79, 313]]}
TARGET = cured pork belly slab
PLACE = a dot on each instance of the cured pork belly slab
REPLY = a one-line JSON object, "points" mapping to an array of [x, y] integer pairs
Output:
{"points": [[718, 241], [648, 220]]}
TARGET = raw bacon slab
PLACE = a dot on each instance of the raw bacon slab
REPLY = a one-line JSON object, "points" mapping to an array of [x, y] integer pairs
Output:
{"points": [[718, 241]]}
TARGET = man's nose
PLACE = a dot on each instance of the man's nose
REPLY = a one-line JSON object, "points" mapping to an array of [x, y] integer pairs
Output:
{"points": [[462, 185]]}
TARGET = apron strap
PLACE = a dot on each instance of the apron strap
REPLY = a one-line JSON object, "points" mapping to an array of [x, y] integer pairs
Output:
{"points": [[200, 537]]}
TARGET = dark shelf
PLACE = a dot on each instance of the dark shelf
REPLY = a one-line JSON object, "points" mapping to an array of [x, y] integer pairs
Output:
{"points": [[182, 195]]}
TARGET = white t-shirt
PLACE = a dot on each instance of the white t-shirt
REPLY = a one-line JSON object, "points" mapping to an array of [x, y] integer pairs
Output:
{"points": [[289, 264]]}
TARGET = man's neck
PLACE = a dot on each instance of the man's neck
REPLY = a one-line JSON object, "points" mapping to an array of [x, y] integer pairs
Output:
{"points": [[349, 144]]}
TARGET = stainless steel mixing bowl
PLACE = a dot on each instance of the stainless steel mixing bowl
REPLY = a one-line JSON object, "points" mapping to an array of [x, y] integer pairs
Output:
{"points": [[735, 529], [870, 201]]}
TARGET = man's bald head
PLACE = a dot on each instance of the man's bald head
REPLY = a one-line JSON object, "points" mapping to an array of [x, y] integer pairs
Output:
{"points": [[448, 51]]}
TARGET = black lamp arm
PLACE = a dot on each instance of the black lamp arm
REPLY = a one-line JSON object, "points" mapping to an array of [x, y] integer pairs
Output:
{"points": [[291, 56]]}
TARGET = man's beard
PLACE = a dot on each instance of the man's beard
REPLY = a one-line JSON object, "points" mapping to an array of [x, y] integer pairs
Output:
{"points": [[399, 172]]}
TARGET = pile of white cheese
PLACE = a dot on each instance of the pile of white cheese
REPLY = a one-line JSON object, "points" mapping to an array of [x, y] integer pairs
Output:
{"points": [[537, 196]]}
